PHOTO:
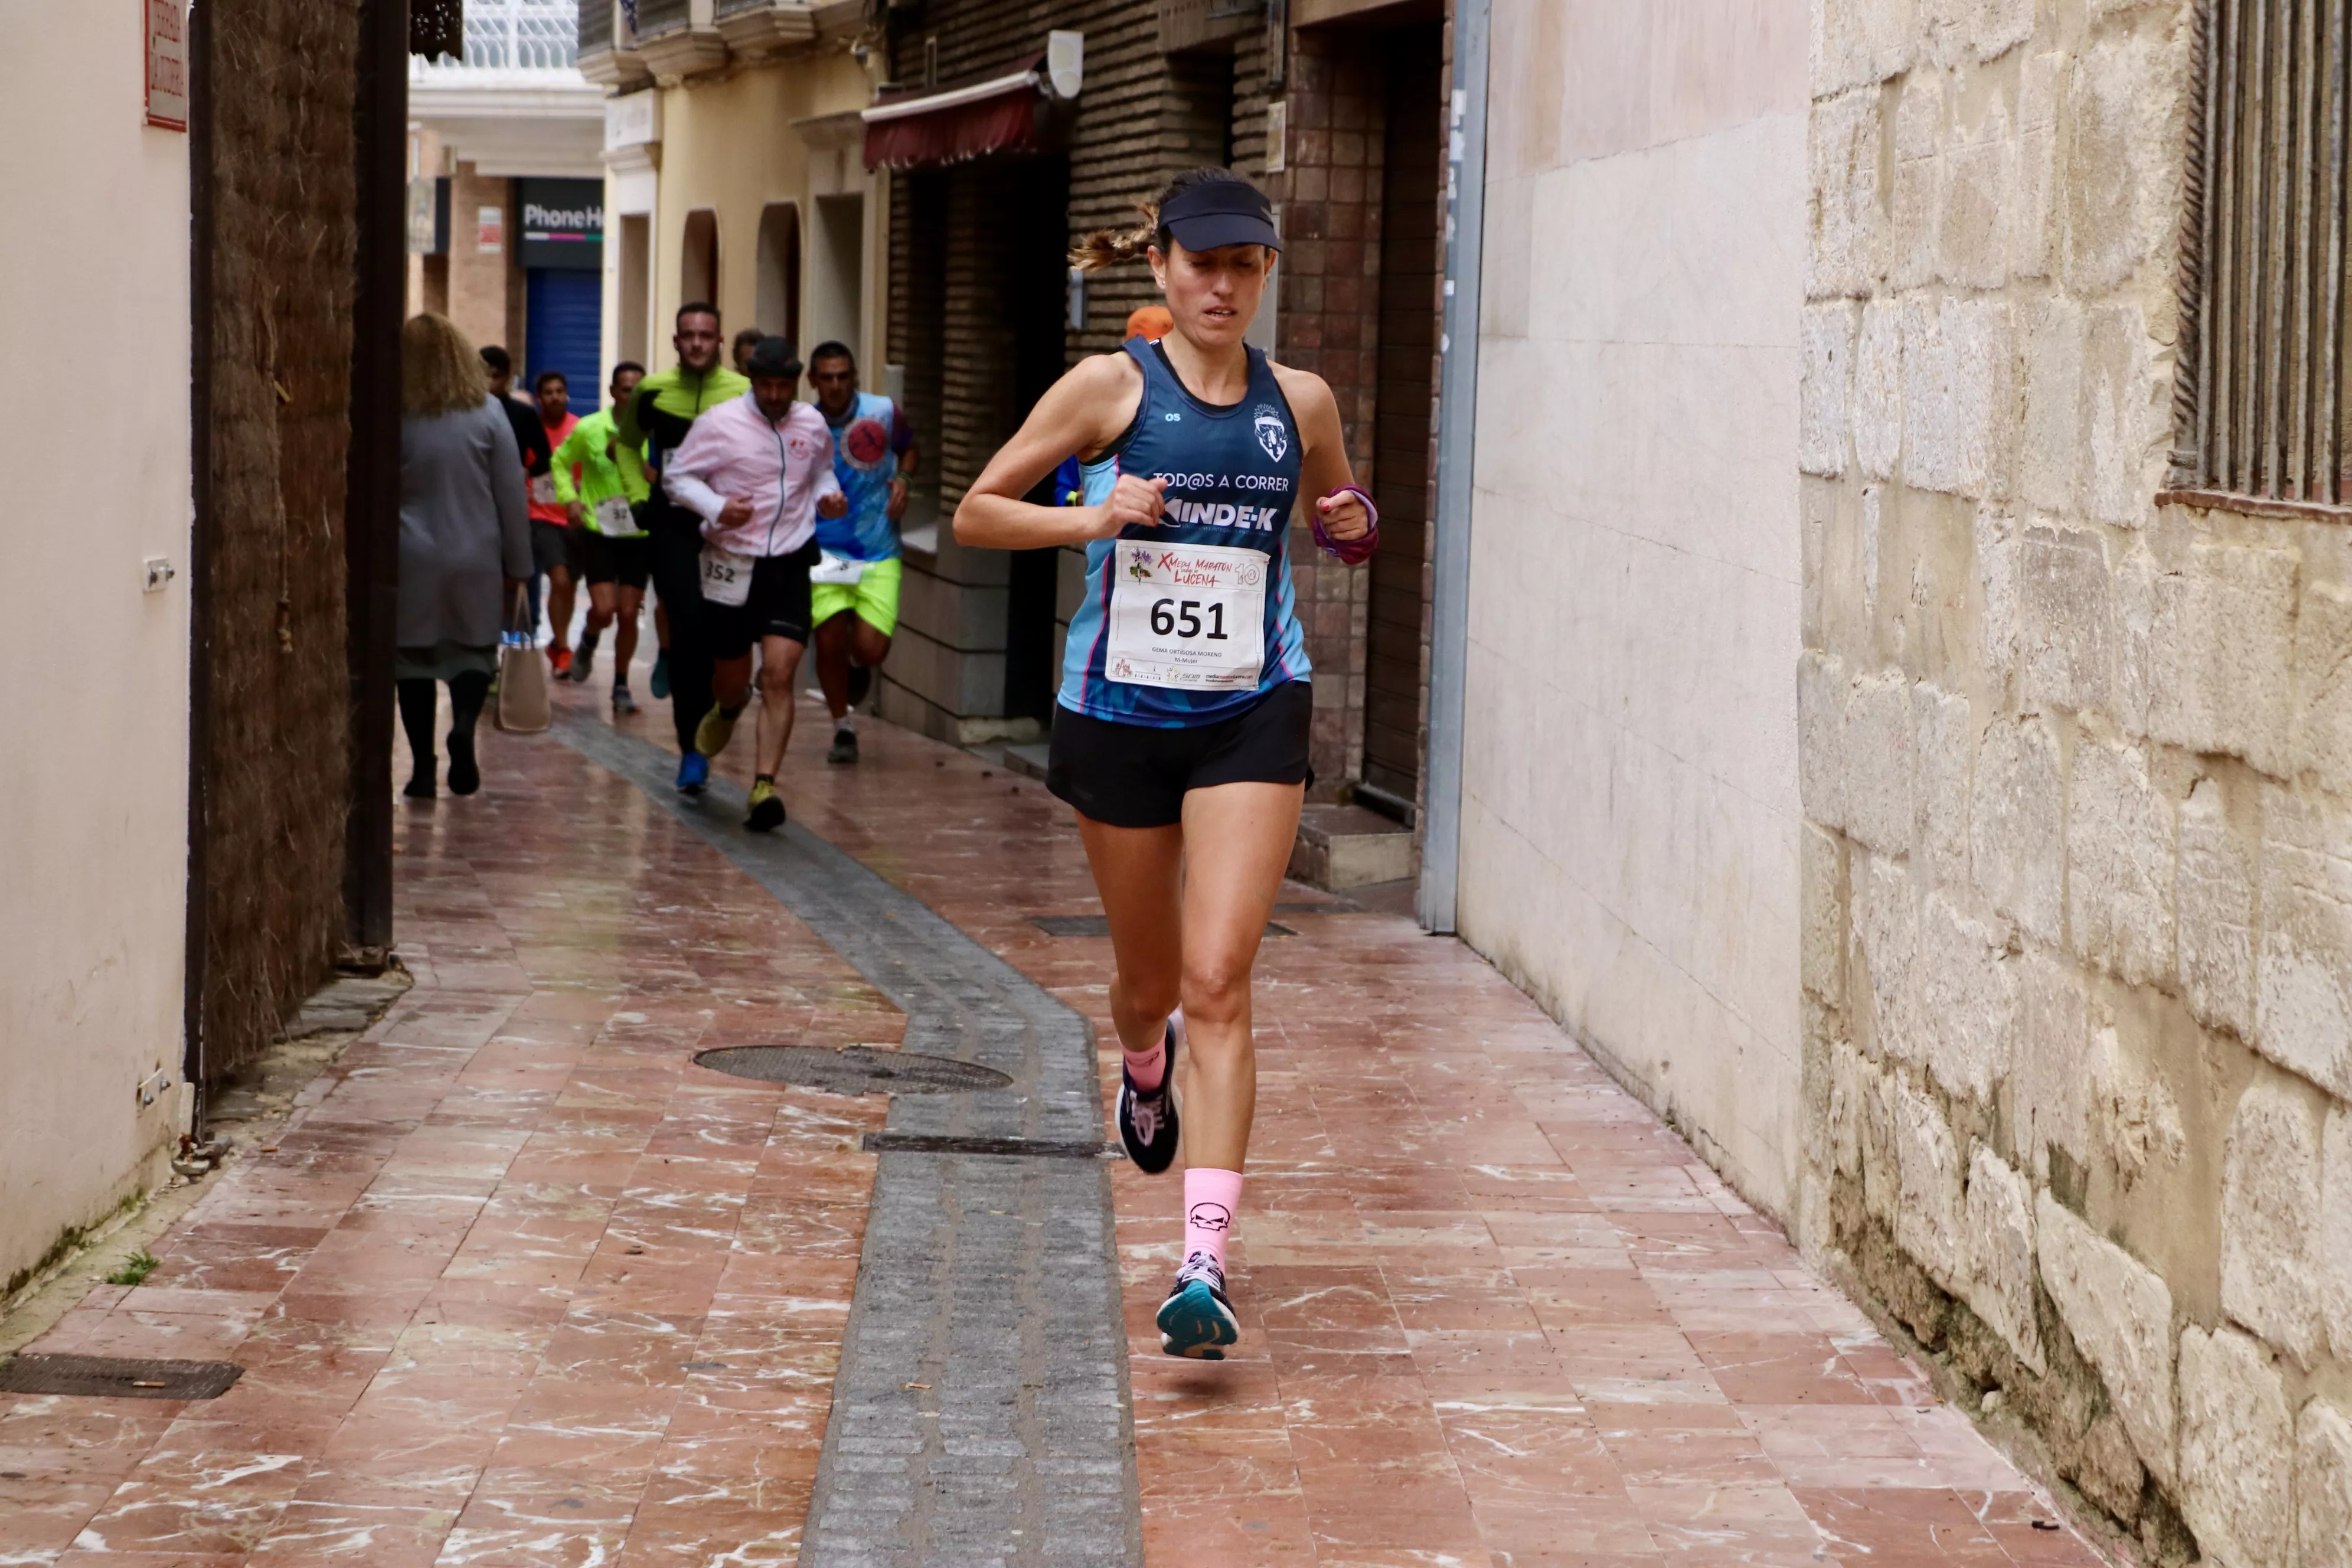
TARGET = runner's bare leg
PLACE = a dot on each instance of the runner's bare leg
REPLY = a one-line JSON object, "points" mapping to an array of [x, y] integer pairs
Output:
{"points": [[1233, 847], [627, 602], [780, 661]]}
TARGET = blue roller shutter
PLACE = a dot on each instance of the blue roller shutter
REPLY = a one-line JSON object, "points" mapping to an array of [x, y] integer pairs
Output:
{"points": [[565, 332]]}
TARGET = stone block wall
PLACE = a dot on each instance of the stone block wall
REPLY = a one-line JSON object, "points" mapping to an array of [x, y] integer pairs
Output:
{"points": [[2077, 855]]}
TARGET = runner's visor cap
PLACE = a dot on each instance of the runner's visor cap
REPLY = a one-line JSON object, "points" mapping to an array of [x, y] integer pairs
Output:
{"points": [[774, 359], [1221, 212]]}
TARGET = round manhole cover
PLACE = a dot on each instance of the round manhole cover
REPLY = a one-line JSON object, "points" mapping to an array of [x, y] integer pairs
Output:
{"points": [[857, 1070]]}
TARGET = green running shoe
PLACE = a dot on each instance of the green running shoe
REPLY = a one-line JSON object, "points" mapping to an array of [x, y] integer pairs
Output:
{"points": [[717, 727]]}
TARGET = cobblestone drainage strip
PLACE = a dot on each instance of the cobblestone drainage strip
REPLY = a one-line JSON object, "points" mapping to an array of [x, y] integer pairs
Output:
{"points": [[857, 1070], [117, 1377], [1012, 1148], [981, 1409]]}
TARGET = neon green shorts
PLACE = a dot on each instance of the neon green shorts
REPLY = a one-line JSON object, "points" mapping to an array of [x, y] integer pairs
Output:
{"points": [[875, 597]]}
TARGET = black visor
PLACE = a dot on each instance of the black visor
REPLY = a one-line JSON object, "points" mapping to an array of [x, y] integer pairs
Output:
{"points": [[1222, 212]]}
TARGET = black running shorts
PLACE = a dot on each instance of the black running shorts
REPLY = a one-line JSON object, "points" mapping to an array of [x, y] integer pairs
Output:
{"points": [[1135, 775], [554, 545], [629, 562], [777, 605]]}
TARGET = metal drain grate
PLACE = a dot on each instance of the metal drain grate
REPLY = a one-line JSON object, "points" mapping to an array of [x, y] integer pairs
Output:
{"points": [[1014, 1148], [857, 1071], [115, 1377], [1097, 925]]}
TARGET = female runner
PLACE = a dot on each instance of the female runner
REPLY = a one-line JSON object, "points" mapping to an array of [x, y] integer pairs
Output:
{"points": [[1185, 706]]}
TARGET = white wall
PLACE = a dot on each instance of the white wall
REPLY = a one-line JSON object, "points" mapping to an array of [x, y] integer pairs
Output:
{"points": [[1629, 840], [94, 780]]}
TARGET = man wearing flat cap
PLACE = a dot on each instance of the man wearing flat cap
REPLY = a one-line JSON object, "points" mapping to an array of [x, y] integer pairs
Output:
{"points": [[757, 471]]}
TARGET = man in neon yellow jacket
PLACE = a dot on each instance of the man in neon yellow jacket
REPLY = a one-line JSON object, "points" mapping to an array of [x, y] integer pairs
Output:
{"points": [[602, 480]]}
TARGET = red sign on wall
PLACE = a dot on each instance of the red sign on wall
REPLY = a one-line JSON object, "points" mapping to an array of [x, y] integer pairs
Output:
{"points": [[167, 63]]}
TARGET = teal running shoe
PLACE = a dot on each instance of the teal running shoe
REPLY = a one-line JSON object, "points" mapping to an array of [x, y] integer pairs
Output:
{"points": [[1196, 1320]]}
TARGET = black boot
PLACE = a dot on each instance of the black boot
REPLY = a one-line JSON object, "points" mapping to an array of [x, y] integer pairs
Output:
{"points": [[465, 778], [416, 703], [467, 695]]}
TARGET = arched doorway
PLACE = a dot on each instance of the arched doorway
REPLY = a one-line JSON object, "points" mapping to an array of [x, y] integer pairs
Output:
{"points": [[698, 268], [777, 303]]}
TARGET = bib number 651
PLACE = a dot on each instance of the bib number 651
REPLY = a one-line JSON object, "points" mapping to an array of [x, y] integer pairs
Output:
{"points": [[1170, 614]]}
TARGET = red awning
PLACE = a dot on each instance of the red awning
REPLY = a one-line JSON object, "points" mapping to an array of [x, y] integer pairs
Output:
{"points": [[955, 126]]}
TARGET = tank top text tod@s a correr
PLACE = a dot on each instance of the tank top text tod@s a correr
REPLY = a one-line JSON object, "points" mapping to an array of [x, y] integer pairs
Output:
{"points": [[1194, 620]]}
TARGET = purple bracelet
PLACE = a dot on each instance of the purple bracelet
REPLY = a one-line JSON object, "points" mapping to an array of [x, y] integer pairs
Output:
{"points": [[1350, 551]]}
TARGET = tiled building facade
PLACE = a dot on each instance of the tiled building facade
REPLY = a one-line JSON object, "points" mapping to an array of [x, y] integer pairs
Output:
{"points": [[972, 303]]}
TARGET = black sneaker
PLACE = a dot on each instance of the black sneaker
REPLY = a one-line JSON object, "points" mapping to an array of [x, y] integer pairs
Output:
{"points": [[584, 657], [766, 812], [1196, 1320], [844, 746], [1147, 1117]]}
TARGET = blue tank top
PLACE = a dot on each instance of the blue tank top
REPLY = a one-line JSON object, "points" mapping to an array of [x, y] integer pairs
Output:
{"points": [[1232, 479]]}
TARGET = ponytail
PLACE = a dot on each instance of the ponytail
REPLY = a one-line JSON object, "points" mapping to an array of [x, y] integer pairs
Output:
{"points": [[1110, 247]]}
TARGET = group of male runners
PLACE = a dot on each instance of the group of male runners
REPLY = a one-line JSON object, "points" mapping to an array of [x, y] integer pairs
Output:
{"points": [[761, 523]]}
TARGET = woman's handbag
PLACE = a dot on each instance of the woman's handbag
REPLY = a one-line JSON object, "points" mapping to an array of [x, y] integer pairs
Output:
{"points": [[523, 677]]}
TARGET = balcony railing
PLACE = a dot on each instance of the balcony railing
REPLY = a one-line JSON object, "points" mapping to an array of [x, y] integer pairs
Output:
{"points": [[523, 35]]}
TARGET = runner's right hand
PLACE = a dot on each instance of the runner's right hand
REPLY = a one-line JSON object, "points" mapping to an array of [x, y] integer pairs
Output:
{"points": [[735, 513], [1134, 501]]}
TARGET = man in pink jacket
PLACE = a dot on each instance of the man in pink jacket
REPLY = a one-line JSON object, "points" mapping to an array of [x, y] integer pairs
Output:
{"points": [[757, 471]]}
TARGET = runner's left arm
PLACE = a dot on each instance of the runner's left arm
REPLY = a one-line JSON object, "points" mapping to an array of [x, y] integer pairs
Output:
{"points": [[832, 501], [1323, 467], [685, 476], [574, 451], [903, 442]]}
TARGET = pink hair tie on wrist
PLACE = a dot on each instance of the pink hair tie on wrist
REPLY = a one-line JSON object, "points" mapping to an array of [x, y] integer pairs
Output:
{"points": [[1350, 551]]}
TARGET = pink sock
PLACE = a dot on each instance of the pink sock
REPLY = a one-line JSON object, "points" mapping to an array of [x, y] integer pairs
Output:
{"points": [[1146, 1068], [1212, 1199]]}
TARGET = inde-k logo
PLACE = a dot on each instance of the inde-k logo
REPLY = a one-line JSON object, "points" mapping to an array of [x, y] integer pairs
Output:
{"points": [[1221, 514]]}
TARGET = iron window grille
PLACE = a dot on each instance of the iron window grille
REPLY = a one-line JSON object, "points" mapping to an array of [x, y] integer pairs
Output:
{"points": [[524, 34], [2259, 401]]}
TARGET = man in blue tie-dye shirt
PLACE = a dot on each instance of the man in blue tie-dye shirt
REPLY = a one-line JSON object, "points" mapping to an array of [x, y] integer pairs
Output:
{"points": [[854, 589]]}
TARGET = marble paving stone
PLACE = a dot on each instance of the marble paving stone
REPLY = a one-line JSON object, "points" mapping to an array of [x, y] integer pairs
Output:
{"points": [[458, 1346], [1494, 1312]]}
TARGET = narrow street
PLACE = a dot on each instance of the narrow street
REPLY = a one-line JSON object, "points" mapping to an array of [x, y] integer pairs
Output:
{"points": [[522, 1284]]}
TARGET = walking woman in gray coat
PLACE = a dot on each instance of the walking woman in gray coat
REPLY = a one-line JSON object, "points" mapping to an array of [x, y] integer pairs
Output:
{"points": [[465, 542]]}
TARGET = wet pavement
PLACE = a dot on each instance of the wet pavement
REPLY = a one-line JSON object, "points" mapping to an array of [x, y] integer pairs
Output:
{"points": [[520, 1284]]}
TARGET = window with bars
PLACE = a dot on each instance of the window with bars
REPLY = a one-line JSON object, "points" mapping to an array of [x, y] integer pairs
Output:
{"points": [[2260, 401], [527, 35]]}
